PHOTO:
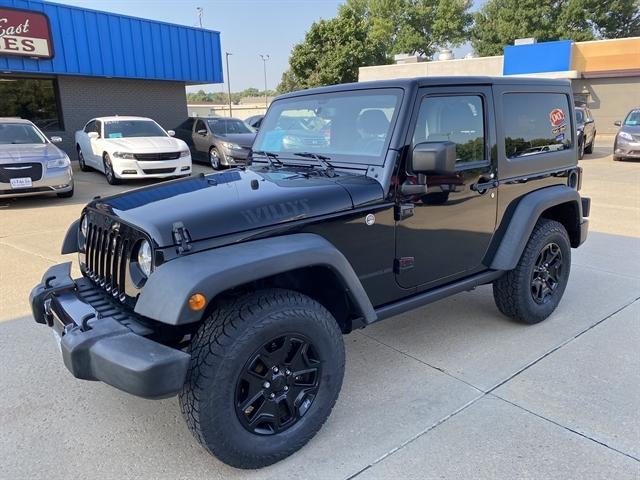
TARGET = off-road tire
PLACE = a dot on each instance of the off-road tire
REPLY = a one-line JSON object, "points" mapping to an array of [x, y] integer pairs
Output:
{"points": [[513, 291], [228, 337]]}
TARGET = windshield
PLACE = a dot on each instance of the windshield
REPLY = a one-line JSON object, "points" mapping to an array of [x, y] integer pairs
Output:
{"points": [[633, 119], [132, 128], [20, 133], [227, 126], [349, 127], [579, 116]]}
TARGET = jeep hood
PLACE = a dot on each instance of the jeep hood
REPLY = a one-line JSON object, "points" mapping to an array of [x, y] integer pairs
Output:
{"points": [[237, 200]]}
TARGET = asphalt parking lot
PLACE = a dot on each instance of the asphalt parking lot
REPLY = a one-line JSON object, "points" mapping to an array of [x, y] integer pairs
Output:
{"points": [[452, 390]]}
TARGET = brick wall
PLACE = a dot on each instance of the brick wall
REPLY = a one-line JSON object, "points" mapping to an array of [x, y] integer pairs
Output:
{"points": [[83, 98]]}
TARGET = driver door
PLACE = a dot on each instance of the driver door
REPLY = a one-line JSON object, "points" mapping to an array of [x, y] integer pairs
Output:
{"points": [[201, 141], [447, 231]]}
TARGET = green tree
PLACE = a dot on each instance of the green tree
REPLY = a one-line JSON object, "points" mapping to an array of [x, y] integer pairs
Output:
{"points": [[500, 22], [370, 32]]}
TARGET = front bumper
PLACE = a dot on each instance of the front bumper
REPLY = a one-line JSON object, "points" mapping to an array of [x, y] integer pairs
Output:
{"points": [[233, 157], [100, 340], [627, 149], [125, 168], [54, 180]]}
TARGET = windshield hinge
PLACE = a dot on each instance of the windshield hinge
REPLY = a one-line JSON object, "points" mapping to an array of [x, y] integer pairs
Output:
{"points": [[181, 238]]}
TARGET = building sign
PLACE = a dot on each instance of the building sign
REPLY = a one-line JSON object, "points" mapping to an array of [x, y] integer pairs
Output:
{"points": [[25, 33]]}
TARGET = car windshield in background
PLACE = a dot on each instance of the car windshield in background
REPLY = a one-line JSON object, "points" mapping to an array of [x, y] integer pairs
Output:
{"points": [[579, 116], [228, 126], [132, 128], [349, 127], [633, 119], [19, 134]]}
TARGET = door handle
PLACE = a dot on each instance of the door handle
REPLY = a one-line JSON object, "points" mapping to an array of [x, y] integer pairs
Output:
{"points": [[484, 184]]}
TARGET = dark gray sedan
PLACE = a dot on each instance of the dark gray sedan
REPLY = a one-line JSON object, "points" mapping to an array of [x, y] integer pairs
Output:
{"points": [[222, 141], [627, 142], [30, 164]]}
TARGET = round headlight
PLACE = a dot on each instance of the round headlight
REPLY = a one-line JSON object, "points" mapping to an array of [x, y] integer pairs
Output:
{"points": [[144, 257], [84, 226]]}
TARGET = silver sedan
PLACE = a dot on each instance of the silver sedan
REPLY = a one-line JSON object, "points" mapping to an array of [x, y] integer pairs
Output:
{"points": [[30, 164]]}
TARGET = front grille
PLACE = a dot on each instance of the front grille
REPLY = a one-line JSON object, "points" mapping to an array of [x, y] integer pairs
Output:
{"points": [[20, 170], [106, 259], [151, 171], [153, 157]]}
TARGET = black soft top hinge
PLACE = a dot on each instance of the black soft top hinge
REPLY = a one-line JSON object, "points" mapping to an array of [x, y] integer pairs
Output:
{"points": [[181, 238]]}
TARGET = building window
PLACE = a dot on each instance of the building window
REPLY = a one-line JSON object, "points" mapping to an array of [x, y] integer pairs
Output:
{"points": [[536, 123], [32, 99]]}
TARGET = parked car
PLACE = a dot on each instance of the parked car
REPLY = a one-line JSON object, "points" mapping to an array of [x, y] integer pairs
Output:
{"points": [[254, 121], [233, 290], [30, 163], [126, 148], [222, 142], [627, 142], [586, 129]]}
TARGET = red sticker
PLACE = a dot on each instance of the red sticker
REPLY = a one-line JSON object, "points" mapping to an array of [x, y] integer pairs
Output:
{"points": [[556, 117]]}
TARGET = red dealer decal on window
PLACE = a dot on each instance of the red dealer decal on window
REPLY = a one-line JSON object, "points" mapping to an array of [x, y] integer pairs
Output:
{"points": [[556, 117], [25, 33]]}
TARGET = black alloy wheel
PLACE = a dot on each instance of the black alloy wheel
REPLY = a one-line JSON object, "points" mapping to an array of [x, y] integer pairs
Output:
{"points": [[278, 384], [547, 273]]}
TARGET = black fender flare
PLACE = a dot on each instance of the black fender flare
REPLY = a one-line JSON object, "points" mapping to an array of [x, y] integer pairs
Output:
{"points": [[515, 234], [70, 242], [165, 294]]}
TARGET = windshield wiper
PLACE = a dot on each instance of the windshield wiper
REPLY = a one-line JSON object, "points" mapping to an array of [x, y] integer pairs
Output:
{"points": [[271, 157], [323, 160]]}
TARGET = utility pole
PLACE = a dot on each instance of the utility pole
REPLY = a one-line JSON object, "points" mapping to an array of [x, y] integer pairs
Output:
{"points": [[229, 83], [199, 10], [264, 58]]}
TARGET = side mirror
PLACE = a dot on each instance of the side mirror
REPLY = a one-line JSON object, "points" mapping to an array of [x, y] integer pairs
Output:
{"points": [[202, 132], [93, 135], [56, 139], [617, 123], [436, 158], [171, 133]]}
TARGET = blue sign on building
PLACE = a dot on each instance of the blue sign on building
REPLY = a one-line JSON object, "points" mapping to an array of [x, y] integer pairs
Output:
{"points": [[100, 44], [537, 57]]}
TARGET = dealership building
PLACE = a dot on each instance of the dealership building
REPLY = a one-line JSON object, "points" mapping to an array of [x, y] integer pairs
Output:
{"points": [[60, 66], [604, 74]]}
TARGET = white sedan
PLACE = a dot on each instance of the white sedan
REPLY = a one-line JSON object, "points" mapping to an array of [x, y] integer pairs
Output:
{"points": [[131, 147]]}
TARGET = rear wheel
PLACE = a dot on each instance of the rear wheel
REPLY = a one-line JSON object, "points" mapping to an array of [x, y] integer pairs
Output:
{"points": [[108, 170], [532, 291], [266, 369]]}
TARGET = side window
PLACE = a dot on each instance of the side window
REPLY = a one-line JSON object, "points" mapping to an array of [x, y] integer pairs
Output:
{"points": [[536, 123], [186, 125], [200, 126], [456, 118], [90, 127]]}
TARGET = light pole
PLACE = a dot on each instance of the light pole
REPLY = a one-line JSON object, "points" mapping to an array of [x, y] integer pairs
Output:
{"points": [[199, 11], [229, 82], [264, 58]]}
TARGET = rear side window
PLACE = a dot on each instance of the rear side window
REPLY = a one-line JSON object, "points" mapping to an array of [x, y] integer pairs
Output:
{"points": [[536, 123]]}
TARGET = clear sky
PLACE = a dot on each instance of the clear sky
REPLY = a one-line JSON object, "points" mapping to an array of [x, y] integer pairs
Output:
{"points": [[247, 28]]}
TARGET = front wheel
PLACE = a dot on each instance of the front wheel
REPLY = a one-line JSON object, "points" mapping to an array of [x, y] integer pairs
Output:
{"points": [[532, 291], [589, 148], [581, 150], [81, 161], [108, 170], [214, 158], [266, 369]]}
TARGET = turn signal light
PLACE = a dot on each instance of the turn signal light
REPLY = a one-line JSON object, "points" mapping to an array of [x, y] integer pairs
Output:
{"points": [[197, 301]]}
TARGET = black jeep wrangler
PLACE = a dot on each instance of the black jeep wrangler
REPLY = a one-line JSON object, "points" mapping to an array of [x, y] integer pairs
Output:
{"points": [[361, 201]]}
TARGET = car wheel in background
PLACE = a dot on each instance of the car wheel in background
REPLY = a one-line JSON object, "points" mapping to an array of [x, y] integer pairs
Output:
{"points": [[581, 150], [589, 148], [108, 170], [214, 158], [83, 165]]}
